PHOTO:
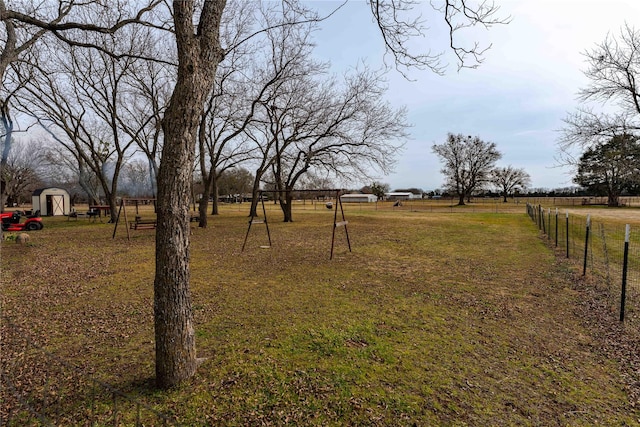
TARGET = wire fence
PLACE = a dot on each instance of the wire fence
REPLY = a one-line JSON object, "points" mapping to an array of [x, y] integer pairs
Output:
{"points": [[606, 251], [40, 389], [440, 205], [577, 201]]}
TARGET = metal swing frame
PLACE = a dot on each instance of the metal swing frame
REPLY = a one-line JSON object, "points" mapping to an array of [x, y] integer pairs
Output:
{"points": [[336, 223]]}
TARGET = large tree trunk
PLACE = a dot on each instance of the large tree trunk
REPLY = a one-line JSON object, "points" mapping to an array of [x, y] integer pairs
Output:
{"points": [[461, 200], [214, 192], [174, 331], [203, 205], [113, 208], [198, 58], [285, 205], [255, 197]]}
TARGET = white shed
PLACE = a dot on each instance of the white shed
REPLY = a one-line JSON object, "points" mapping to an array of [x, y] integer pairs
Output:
{"points": [[51, 201], [358, 198]]}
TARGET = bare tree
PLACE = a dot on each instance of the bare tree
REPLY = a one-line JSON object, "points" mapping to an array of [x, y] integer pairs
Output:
{"points": [[80, 95], [614, 73], [16, 40], [26, 22], [229, 110], [21, 173], [149, 89], [468, 162], [510, 179], [284, 63], [342, 129]]}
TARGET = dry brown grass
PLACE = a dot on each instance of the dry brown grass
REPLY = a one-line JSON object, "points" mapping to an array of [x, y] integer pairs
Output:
{"points": [[433, 319]]}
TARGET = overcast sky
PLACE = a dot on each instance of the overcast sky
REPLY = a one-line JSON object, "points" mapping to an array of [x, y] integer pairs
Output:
{"points": [[517, 98]]}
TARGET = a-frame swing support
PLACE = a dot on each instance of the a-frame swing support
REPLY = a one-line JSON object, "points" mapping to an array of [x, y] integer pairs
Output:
{"points": [[123, 209], [256, 220], [336, 223]]}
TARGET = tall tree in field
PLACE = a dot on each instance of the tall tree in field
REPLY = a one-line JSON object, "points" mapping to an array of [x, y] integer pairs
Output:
{"points": [[510, 179], [199, 52], [344, 129], [467, 163], [242, 85], [610, 168]]}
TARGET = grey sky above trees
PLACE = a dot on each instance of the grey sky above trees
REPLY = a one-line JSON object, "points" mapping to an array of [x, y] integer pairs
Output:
{"points": [[517, 98], [613, 70]]}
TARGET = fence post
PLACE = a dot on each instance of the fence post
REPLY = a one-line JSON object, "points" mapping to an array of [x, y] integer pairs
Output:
{"points": [[556, 227], [540, 217], [549, 221], [625, 264], [567, 234], [586, 245]]}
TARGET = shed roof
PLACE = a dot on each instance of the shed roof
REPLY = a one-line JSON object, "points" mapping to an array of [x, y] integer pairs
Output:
{"points": [[39, 191]]}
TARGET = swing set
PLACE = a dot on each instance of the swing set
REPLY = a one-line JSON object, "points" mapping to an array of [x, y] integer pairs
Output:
{"points": [[138, 223], [336, 223]]}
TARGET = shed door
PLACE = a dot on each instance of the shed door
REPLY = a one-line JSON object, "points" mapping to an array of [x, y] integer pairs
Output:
{"points": [[55, 205]]}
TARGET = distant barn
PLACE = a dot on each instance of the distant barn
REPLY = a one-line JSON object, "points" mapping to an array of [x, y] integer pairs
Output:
{"points": [[358, 198], [51, 201], [401, 196]]}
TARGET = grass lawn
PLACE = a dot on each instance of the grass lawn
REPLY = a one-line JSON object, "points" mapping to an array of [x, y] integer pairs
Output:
{"points": [[433, 319]]}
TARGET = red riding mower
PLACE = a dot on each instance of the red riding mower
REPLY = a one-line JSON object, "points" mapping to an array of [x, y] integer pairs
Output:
{"points": [[11, 221]]}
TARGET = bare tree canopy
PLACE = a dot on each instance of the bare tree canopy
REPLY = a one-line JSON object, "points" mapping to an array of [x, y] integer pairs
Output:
{"points": [[26, 22], [510, 179], [467, 163], [22, 173], [614, 74], [399, 24], [343, 129]]}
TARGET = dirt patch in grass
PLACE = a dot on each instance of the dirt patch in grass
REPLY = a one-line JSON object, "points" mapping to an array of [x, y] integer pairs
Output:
{"points": [[433, 319]]}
